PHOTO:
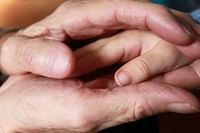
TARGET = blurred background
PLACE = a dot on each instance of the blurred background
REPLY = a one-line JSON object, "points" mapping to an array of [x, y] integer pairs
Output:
{"points": [[21, 13], [182, 5]]}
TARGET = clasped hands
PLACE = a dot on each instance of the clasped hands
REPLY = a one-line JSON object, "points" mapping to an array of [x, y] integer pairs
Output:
{"points": [[159, 50]]}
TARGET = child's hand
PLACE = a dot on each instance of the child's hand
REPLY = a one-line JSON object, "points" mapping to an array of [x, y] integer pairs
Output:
{"points": [[144, 54]]}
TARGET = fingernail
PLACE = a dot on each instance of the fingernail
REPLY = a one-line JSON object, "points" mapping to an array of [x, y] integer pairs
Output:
{"points": [[182, 108], [188, 30], [58, 62], [181, 25], [124, 78], [191, 32]]}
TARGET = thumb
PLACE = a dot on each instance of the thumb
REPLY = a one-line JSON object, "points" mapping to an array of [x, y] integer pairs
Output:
{"points": [[39, 56], [136, 101]]}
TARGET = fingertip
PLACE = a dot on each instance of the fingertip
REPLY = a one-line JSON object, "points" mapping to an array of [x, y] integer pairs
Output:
{"points": [[183, 108], [181, 37], [188, 105], [178, 35], [168, 27], [182, 101], [54, 60], [183, 34], [171, 99], [61, 64], [123, 78]]}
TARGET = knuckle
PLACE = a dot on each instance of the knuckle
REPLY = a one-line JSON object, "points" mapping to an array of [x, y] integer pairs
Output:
{"points": [[143, 67], [130, 113], [143, 109], [139, 109], [119, 11]]}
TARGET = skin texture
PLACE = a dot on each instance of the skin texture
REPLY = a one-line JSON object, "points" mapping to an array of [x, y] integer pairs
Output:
{"points": [[31, 103], [89, 18], [144, 56], [82, 20]]}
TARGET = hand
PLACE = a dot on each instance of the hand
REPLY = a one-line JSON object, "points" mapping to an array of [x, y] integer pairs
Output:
{"points": [[186, 77], [36, 55], [30, 103], [144, 54], [87, 19], [39, 50]]}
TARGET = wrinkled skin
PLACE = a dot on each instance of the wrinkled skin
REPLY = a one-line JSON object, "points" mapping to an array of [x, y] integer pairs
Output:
{"points": [[39, 49], [31, 103]]}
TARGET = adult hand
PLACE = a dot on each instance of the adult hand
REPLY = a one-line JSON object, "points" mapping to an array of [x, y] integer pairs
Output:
{"points": [[30, 103], [38, 49], [36, 55], [83, 19]]}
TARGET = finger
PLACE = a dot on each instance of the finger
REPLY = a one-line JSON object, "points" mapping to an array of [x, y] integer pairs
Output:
{"points": [[155, 56], [188, 77], [135, 102], [187, 21], [39, 56], [191, 50], [88, 19], [116, 49], [79, 109], [162, 58]]}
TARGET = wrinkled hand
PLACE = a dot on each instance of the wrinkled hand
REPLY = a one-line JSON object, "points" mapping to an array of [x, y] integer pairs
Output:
{"points": [[31, 103], [83, 19], [39, 48]]}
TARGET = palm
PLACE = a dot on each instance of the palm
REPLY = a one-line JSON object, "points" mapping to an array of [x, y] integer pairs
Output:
{"points": [[37, 103]]}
